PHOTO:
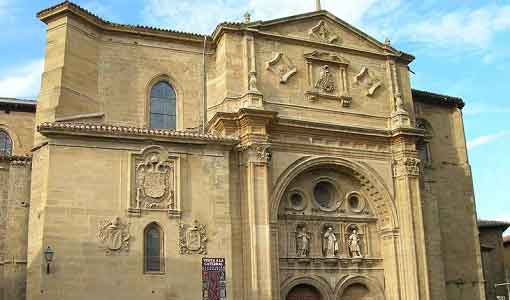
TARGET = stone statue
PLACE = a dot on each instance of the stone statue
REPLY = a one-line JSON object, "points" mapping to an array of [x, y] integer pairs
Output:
{"points": [[302, 243], [354, 244], [113, 234], [330, 244], [326, 83]]}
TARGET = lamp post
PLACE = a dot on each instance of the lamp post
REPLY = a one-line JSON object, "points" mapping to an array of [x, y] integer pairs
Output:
{"points": [[507, 284], [48, 256]]}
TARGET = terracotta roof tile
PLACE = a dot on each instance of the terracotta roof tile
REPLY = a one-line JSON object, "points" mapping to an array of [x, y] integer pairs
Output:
{"points": [[435, 98], [132, 131], [492, 223]]}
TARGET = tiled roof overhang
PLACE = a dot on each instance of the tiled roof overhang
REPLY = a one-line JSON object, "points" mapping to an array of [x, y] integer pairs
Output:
{"points": [[13, 104], [437, 99], [102, 130], [493, 224]]}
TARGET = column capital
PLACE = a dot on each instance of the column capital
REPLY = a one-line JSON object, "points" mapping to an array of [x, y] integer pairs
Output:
{"points": [[406, 166]]}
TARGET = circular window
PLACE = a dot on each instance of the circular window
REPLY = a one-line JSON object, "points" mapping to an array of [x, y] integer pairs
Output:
{"points": [[323, 193], [296, 200]]}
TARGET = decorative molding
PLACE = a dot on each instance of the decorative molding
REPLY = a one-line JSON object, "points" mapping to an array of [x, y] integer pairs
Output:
{"points": [[193, 239], [368, 80], [322, 33], [408, 166], [281, 65], [155, 182], [113, 235]]}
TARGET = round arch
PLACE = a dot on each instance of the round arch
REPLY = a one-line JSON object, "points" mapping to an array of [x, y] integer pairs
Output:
{"points": [[371, 183], [320, 284], [16, 144], [179, 95], [374, 287]]}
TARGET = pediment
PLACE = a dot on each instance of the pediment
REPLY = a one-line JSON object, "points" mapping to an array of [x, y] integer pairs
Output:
{"points": [[323, 27]]}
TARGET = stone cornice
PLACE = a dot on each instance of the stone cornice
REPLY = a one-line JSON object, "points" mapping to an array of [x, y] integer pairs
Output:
{"points": [[102, 130], [17, 159], [67, 7]]}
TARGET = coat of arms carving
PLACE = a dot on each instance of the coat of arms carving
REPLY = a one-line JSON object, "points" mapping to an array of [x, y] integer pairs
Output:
{"points": [[322, 33], [193, 238], [113, 235], [154, 181]]}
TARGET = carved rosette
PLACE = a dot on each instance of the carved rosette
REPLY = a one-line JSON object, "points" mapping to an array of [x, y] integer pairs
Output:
{"points": [[113, 235], [193, 239], [154, 182], [409, 166]]}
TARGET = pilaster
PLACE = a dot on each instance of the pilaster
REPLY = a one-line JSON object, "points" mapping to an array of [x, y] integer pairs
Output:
{"points": [[413, 257], [16, 233], [255, 162]]}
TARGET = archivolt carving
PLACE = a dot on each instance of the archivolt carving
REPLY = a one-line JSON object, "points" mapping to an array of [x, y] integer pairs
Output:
{"points": [[154, 182], [376, 291], [371, 186], [322, 33], [281, 65], [113, 235]]}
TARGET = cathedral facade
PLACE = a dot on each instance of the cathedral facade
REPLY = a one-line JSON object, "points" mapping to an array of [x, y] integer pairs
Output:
{"points": [[292, 151]]}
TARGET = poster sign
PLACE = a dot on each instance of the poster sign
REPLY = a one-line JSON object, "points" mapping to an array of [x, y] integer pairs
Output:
{"points": [[213, 279]]}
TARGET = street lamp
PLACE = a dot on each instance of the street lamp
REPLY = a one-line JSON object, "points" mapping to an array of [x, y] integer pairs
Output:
{"points": [[48, 256]]}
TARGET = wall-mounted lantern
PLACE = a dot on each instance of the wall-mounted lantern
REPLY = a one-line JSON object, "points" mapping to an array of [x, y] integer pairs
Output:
{"points": [[48, 256]]}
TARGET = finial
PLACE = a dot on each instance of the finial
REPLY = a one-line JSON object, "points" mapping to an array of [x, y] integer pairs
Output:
{"points": [[247, 17], [387, 41], [318, 4]]}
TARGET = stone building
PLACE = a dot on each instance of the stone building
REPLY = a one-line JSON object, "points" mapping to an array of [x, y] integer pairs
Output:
{"points": [[295, 149], [493, 256]]}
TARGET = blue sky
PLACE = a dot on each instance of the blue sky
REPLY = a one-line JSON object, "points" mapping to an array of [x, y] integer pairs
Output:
{"points": [[462, 49]]}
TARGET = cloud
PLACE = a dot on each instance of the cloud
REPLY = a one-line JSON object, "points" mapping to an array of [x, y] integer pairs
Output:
{"points": [[485, 139], [473, 28], [23, 81], [3, 7], [192, 15]]}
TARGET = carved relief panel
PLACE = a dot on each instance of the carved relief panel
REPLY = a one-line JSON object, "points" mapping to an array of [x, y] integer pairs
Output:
{"points": [[193, 238], [113, 235], [327, 77], [154, 182]]}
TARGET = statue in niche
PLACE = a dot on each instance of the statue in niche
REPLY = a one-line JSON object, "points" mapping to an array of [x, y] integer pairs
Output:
{"points": [[330, 244], [302, 242], [113, 234], [326, 82], [355, 245]]}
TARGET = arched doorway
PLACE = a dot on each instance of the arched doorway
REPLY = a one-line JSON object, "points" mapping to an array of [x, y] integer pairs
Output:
{"points": [[356, 291], [304, 292]]}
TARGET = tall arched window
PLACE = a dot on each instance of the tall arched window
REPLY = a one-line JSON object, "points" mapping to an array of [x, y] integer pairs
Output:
{"points": [[5, 143], [423, 145], [154, 260], [162, 106]]}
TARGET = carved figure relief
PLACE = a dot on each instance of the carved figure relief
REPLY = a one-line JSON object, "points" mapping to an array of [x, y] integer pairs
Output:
{"points": [[154, 181], [327, 77], [193, 238], [368, 80], [330, 244], [355, 244], [322, 33], [325, 83], [113, 235], [281, 65], [264, 152], [302, 242]]}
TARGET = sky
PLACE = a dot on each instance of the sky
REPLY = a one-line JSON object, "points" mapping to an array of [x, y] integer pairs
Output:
{"points": [[462, 49]]}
